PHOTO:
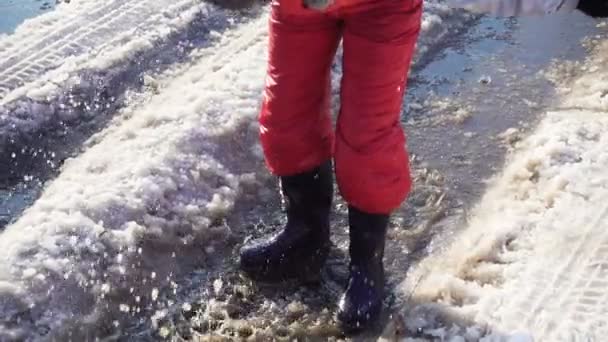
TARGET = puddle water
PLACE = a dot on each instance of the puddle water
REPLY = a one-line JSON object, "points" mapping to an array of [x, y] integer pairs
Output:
{"points": [[14, 12], [479, 86], [11, 202], [484, 84]]}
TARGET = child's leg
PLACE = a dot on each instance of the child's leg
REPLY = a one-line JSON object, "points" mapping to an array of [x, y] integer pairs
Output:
{"points": [[372, 163], [371, 159], [295, 124]]}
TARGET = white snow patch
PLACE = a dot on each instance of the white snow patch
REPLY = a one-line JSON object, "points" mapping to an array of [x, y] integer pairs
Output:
{"points": [[439, 20]]}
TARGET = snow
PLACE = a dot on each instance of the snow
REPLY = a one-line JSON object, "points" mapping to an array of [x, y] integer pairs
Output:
{"points": [[531, 263], [153, 187], [159, 176], [78, 46]]}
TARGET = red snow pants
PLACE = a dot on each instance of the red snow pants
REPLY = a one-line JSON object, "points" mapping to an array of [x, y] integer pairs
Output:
{"points": [[368, 145]]}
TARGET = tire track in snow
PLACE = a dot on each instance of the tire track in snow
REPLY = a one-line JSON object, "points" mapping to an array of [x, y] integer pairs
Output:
{"points": [[533, 262], [94, 31], [559, 285], [561, 289], [95, 90], [14, 61], [38, 135], [74, 78], [52, 54], [29, 34]]}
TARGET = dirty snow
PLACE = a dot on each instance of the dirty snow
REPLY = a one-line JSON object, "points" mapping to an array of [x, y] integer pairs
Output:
{"points": [[161, 178], [532, 261]]}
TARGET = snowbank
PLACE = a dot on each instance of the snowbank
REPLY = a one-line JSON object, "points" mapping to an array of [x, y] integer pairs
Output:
{"points": [[438, 22], [532, 263], [163, 179], [65, 65], [151, 192], [45, 52]]}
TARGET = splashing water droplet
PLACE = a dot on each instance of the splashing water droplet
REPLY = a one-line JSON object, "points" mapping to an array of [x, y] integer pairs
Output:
{"points": [[217, 286]]}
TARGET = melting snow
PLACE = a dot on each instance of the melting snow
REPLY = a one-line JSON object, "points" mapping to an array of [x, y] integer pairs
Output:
{"points": [[532, 264]]}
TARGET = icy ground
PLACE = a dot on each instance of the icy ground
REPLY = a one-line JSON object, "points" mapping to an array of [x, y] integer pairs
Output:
{"points": [[130, 129], [532, 262]]}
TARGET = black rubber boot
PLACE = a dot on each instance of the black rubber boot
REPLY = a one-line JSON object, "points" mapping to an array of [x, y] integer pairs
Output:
{"points": [[361, 305], [300, 249], [594, 8]]}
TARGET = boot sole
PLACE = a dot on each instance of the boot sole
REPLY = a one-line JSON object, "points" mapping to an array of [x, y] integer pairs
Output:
{"points": [[352, 330], [310, 274]]}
